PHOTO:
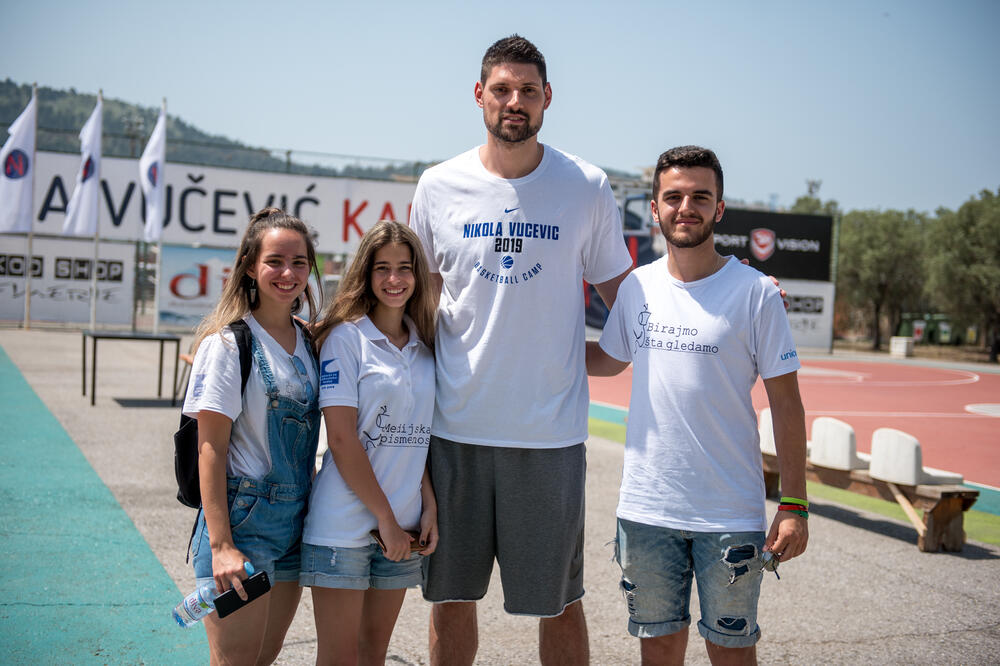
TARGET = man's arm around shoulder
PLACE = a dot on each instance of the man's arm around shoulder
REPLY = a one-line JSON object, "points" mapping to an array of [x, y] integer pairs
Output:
{"points": [[600, 363], [608, 289], [789, 532]]}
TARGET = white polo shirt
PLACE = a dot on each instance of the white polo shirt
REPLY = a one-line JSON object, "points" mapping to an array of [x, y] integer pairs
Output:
{"points": [[393, 391]]}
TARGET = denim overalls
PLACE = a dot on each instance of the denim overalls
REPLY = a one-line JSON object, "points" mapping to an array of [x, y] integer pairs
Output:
{"points": [[266, 515]]}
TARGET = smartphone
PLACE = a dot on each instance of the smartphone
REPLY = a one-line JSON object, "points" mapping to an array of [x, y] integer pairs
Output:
{"points": [[229, 601], [414, 545]]}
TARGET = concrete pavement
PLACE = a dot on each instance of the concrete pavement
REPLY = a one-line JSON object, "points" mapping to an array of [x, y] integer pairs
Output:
{"points": [[862, 593]]}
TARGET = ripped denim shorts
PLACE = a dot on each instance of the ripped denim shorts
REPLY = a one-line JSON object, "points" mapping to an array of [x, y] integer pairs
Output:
{"points": [[658, 564], [357, 568]]}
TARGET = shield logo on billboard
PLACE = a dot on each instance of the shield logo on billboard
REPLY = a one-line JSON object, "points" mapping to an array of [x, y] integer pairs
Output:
{"points": [[762, 244]]}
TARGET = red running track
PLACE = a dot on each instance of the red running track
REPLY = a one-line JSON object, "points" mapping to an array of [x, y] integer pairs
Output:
{"points": [[927, 402]]}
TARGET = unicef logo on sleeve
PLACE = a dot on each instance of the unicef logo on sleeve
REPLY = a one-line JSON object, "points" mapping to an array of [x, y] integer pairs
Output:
{"points": [[507, 261], [16, 164]]}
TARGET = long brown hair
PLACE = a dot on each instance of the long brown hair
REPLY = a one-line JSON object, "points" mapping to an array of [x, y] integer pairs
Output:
{"points": [[355, 296], [236, 300]]}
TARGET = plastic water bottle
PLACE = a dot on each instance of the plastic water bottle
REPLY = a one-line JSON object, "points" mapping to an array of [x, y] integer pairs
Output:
{"points": [[200, 603]]}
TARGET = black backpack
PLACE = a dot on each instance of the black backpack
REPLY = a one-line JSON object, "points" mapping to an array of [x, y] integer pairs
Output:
{"points": [[186, 437]]}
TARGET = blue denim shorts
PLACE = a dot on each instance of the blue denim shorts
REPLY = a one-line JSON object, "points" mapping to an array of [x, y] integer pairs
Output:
{"points": [[266, 523], [658, 564], [357, 568]]}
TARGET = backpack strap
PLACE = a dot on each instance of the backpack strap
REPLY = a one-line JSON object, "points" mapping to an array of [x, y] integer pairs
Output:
{"points": [[241, 331]]}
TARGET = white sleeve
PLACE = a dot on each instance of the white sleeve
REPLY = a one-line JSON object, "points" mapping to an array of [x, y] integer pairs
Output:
{"points": [[422, 225], [606, 256], [776, 353], [339, 364], [616, 339], [215, 377]]}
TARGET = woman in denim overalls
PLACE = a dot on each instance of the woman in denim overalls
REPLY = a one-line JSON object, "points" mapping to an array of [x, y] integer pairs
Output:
{"points": [[256, 448]]}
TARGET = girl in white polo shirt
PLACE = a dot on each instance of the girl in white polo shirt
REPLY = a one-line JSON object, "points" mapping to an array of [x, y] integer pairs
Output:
{"points": [[372, 512]]}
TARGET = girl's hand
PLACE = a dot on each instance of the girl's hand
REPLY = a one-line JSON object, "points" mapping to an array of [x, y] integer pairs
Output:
{"points": [[228, 571], [396, 540]]}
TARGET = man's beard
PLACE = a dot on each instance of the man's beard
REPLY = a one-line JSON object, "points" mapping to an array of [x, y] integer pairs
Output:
{"points": [[687, 240], [514, 133]]}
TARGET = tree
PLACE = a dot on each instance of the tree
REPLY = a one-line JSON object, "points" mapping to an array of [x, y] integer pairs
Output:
{"points": [[880, 261], [812, 205], [964, 264]]}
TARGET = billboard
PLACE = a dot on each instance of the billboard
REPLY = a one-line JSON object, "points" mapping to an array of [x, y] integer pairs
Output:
{"points": [[61, 270], [810, 312], [193, 278], [786, 245], [211, 206]]}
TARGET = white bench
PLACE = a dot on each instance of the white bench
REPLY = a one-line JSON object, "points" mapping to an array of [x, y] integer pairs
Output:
{"points": [[765, 430], [833, 445], [896, 458], [938, 493]]}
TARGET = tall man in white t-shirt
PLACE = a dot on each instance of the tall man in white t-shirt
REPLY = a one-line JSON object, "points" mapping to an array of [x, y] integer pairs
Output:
{"points": [[698, 329], [511, 229]]}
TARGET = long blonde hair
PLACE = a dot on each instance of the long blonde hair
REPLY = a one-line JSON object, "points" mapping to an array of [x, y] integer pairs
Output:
{"points": [[236, 300], [355, 297]]}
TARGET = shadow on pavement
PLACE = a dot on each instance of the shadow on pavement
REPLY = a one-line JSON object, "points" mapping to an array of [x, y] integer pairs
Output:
{"points": [[891, 529]]}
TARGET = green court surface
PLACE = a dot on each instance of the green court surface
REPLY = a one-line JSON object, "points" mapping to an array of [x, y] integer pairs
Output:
{"points": [[79, 582]]}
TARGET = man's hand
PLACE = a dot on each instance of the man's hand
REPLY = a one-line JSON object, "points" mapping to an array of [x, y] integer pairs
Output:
{"points": [[788, 536], [784, 294]]}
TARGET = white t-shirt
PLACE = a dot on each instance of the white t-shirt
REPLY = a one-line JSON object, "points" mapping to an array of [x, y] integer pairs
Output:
{"points": [[393, 390], [215, 386], [692, 460], [513, 255]]}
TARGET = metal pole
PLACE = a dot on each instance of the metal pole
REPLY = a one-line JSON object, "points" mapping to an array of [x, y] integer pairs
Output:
{"points": [[31, 229], [97, 236], [159, 241]]}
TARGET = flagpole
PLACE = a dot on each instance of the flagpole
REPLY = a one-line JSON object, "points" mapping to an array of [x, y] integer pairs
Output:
{"points": [[97, 225], [159, 243], [31, 229]]}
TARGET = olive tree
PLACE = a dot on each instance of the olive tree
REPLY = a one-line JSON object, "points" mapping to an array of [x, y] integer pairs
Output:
{"points": [[880, 263], [964, 264]]}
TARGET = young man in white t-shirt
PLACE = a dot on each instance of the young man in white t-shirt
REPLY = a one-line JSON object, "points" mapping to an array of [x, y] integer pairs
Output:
{"points": [[699, 328], [511, 229]]}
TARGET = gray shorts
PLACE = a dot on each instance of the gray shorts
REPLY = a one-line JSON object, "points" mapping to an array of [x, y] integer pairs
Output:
{"points": [[524, 507]]}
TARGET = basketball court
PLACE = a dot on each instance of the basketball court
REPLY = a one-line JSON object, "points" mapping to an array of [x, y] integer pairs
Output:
{"points": [[954, 412]]}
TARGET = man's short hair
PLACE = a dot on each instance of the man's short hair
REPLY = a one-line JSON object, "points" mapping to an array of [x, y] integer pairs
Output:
{"points": [[513, 49], [688, 156]]}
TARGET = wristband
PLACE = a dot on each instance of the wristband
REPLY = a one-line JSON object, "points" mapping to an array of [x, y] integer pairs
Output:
{"points": [[792, 507], [795, 500], [804, 514]]}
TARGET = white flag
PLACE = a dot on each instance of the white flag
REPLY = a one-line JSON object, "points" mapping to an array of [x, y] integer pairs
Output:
{"points": [[82, 210], [15, 180], [151, 175]]}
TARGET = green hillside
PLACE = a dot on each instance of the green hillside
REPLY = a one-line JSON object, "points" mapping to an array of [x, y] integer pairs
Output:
{"points": [[61, 114]]}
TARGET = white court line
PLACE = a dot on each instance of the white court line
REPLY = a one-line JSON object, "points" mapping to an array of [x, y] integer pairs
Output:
{"points": [[906, 415], [815, 375]]}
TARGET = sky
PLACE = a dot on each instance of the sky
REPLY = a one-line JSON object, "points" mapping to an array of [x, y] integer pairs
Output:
{"points": [[890, 103]]}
